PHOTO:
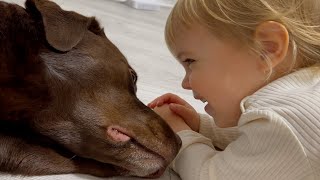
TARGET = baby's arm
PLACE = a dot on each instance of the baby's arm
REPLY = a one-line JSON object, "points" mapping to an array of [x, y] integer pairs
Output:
{"points": [[266, 149]]}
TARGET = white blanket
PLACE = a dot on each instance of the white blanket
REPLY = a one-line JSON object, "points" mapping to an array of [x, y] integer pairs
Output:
{"points": [[168, 175]]}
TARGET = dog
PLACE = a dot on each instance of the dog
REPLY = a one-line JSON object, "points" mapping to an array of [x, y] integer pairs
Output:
{"points": [[68, 100]]}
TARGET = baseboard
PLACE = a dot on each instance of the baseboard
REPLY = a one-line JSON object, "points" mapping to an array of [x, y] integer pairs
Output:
{"points": [[149, 4]]}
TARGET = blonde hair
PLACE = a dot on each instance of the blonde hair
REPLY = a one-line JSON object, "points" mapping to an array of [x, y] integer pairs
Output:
{"points": [[236, 20]]}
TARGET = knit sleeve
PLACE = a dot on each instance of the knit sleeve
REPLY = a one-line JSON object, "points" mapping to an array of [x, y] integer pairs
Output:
{"points": [[265, 150], [220, 137]]}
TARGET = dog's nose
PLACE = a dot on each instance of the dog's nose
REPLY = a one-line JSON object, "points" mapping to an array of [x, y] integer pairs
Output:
{"points": [[118, 134]]}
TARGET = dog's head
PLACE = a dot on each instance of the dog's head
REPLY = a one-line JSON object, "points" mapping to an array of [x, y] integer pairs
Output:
{"points": [[66, 80]]}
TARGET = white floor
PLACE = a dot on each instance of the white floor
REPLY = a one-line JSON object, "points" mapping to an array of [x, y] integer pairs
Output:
{"points": [[139, 35]]}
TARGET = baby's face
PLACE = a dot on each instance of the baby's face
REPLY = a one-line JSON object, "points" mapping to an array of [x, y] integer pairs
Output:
{"points": [[218, 72]]}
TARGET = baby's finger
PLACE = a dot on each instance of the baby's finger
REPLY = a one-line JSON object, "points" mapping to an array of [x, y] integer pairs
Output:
{"points": [[172, 98], [188, 115], [159, 101], [181, 111], [167, 99], [153, 103]]}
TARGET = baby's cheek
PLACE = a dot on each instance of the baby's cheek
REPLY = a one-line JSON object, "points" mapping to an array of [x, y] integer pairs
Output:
{"points": [[199, 82]]}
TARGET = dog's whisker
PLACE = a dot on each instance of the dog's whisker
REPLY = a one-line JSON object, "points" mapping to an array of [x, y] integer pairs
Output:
{"points": [[73, 157]]}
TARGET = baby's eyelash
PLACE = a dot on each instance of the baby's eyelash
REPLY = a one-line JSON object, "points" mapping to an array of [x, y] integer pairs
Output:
{"points": [[189, 61]]}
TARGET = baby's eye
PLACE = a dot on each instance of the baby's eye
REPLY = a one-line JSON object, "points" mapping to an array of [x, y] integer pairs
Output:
{"points": [[189, 61]]}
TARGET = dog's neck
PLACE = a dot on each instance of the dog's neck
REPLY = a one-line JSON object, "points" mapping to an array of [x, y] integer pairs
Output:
{"points": [[20, 34]]}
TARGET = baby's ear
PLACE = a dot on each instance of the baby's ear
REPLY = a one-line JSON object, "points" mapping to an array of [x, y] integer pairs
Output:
{"points": [[274, 40]]}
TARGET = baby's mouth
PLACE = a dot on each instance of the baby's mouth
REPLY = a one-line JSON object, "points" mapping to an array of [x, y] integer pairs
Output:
{"points": [[207, 107], [201, 99]]}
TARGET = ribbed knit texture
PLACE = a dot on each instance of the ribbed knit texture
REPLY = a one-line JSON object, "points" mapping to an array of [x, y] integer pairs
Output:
{"points": [[220, 137], [278, 136]]}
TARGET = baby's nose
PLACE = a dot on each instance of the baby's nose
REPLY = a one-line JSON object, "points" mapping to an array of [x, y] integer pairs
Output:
{"points": [[185, 83]]}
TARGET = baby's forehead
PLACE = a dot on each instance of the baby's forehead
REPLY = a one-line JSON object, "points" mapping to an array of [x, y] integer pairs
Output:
{"points": [[177, 32]]}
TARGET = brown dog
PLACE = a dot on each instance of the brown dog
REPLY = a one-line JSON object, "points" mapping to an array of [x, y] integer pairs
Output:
{"points": [[68, 102]]}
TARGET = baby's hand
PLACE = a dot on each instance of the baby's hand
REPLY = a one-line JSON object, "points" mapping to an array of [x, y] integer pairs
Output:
{"points": [[180, 107], [176, 123], [167, 99]]}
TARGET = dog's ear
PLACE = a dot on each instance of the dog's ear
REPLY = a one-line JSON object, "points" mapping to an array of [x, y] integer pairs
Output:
{"points": [[63, 29]]}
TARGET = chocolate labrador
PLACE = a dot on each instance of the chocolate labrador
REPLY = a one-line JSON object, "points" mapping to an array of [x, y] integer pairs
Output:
{"points": [[68, 99]]}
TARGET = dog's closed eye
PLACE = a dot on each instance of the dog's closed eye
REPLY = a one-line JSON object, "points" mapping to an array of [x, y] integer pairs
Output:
{"points": [[134, 76]]}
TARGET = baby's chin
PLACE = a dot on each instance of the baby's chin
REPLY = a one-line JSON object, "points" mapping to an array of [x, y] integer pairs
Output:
{"points": [[223, 120], [223, 123]]}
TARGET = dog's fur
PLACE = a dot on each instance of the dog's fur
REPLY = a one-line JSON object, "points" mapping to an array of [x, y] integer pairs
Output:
{"points": [[62, 85]]}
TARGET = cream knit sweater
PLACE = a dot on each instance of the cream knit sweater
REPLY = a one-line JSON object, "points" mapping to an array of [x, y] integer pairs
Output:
{"points": [[277, 137]]}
